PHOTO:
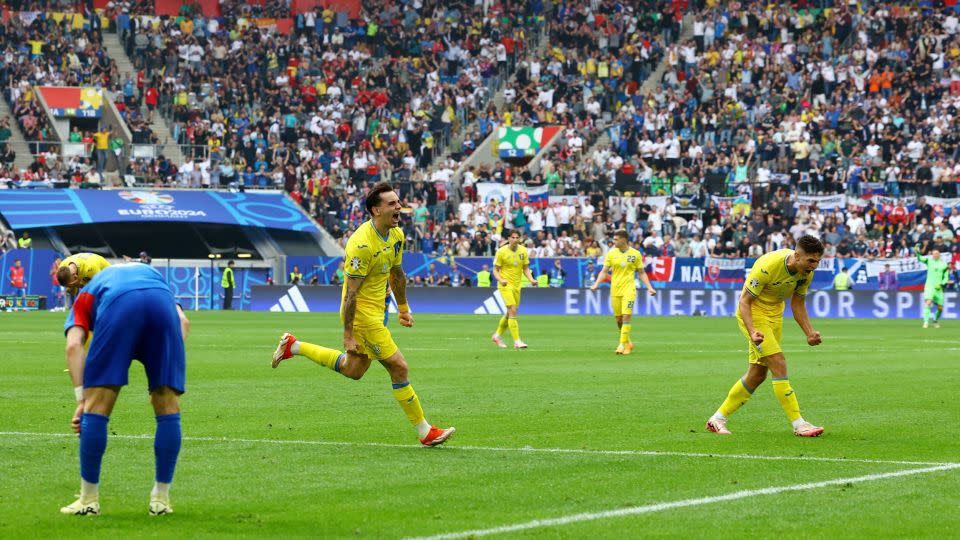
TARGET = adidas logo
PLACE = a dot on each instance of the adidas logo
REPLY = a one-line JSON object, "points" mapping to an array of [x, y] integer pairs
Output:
{"points": [[492, 306], [291, 301]]}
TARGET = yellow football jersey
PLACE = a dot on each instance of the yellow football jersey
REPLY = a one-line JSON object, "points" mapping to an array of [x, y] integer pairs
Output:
{"points": [[371, 256], [511, 264], [771, 283], [624, 264], [88, 264]]}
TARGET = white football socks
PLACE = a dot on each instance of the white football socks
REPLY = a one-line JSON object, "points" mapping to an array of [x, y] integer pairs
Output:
{"points": [[88, 490], [160, 489], [295, 348], [423, 428]]}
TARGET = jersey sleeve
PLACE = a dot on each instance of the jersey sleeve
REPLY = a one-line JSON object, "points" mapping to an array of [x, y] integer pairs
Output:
{"points": [[498, 259], [757, 279], [398, 245], [357, 261], [82, 313], [608, 259]]}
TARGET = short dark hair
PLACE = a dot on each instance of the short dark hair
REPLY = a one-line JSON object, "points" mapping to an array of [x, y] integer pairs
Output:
{"points": [[513, 232], [810, 244], [373, 198], [622, 233], [63, 275]]}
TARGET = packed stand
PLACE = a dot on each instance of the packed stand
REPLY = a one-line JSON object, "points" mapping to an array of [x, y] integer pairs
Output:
{"points": [[338, 98], [598, 57], [779, 98]]}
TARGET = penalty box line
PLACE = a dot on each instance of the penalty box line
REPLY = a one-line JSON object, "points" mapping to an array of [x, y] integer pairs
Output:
{"points": [[659, 507], [522, 450]]}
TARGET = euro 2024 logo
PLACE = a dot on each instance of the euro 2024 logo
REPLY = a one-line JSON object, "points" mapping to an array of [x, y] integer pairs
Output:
{"points": [[155, 205], [146, 197]]}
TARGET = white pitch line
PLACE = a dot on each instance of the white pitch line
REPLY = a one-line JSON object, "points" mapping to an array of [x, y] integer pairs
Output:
{"points": [[522, 450], [658, 507]]}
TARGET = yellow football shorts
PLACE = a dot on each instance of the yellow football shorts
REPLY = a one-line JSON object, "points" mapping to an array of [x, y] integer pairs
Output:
{"points": [[622, 305], [375, 341], [511, 295], [772, 334]]}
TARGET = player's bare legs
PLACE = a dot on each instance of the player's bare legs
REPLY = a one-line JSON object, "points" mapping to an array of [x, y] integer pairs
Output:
{"points": [[396, 366], [166, 407], [355, 366], [90, 419]]}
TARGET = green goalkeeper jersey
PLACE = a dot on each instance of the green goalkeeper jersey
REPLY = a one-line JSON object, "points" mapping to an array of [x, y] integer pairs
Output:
{"points": [[938, 271]]}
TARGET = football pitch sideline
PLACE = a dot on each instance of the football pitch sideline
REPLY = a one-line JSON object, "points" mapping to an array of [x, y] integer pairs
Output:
{"points": [[562, 440]]}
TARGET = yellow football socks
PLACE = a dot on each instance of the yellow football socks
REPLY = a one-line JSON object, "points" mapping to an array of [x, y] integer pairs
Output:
{"points": [[514, 328], [321, 355], [625, 333], [409, 402], [737, 396], [787, 398], [503, 326]]}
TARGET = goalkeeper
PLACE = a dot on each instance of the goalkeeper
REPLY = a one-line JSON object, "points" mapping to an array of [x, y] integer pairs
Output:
{"points": [[938, 275]]}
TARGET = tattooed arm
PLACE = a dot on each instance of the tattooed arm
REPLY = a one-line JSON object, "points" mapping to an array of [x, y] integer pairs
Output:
{"points": [[349, 312], [398, 283]]}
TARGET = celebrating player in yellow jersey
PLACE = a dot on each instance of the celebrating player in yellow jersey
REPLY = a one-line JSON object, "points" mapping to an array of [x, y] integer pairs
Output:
{"points": [[510, 265], [373, 255], [624, 261], [775, 277], [77, 270]]}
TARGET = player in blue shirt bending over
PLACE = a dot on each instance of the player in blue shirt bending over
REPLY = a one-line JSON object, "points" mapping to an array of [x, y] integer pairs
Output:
{"points": [[132, 314]]}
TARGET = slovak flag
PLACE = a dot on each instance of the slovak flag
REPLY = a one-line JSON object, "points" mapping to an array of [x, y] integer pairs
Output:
{"points": [[537, 196]]}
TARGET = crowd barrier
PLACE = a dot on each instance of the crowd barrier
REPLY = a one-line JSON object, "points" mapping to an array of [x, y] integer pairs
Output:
{"points": [[675, 302]]}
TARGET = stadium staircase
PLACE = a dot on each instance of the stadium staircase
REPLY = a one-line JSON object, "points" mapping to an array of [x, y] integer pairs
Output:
{"points": [[111, 41], [455, 144], [16, 141], [648, 86]]}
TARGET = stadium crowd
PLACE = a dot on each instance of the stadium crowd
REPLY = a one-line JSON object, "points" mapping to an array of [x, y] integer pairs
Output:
{"points": [[762, 101], [761, 95], [340, 98]]}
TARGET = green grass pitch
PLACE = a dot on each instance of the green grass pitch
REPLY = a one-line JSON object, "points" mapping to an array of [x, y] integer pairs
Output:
{"points": [[351, 465]]}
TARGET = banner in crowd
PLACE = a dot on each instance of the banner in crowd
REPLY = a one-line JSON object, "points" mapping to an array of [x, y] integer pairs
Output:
{"points": [[73, 102], [25, 209], [494, 191], [516, 142], [741, 204], [943, 204], [575, 200], [536, 196], [75, 21], [658, 201], [823, 202], [679, 302], [664, 272]]}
